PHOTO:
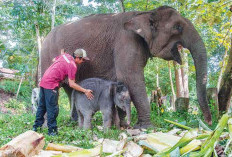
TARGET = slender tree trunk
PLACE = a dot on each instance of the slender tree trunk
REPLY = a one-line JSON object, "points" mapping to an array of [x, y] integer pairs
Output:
{"points": [[147, 4], [179, 83], [212, 96], [224, 94], [172, 87], [122, 5], [53, 14], [184, 72], [39, 51], [222, 69], [157, 76]]}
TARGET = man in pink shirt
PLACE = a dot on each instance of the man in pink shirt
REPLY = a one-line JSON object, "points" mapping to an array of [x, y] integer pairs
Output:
{"points": [[63, 66]]}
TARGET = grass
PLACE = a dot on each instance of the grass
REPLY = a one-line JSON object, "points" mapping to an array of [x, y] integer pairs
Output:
{"points": [[13, 124]]}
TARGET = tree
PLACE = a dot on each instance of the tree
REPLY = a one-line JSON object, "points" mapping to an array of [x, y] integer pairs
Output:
{"points": [[224, 95]]}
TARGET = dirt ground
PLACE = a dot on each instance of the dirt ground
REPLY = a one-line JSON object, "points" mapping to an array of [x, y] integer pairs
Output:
{"points": [[4, 98]]}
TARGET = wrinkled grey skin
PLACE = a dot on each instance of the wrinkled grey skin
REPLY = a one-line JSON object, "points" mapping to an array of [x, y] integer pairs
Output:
{"points": [[109, 96], [119, 46]]}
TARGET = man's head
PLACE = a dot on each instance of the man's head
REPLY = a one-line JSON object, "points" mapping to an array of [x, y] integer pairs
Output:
{"points": [[80, 56]]}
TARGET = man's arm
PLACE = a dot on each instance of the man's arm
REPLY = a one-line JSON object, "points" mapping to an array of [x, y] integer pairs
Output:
{"points": [[75, 86]]}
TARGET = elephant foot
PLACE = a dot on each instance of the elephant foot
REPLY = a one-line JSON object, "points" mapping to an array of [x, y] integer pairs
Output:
{"points": [[124, 124], [143, 125]]}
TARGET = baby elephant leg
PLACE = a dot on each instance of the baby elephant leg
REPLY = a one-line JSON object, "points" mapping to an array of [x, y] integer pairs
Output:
{"points": [[87, 120], [80, 119], [107, 118], [116, 119]]}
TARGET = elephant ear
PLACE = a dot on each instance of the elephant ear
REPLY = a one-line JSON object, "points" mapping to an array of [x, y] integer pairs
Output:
{"points": [[141, 25], [120, 87]]}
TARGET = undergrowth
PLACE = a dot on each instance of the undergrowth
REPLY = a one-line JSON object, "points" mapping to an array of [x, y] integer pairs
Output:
{"points": [[11, 125]]}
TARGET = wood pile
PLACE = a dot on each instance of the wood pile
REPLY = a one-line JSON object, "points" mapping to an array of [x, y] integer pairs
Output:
{"points": [[8, 73]]}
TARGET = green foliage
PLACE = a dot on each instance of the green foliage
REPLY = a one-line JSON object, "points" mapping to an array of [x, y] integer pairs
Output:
{"points": [[12, 87], [18, 106]]}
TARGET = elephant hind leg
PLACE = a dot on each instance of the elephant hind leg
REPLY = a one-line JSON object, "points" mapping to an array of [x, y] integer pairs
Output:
{"points": [[80, 119], [87, 121]]}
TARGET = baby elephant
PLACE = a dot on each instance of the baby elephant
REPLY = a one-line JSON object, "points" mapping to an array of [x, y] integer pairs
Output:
{"points": [[108, 95]]}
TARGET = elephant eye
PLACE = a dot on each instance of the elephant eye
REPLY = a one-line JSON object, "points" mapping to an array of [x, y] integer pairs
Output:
{"points": [[152, 23], [178, 27]]}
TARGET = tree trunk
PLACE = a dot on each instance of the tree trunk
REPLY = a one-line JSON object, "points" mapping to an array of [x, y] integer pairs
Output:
{"points": [[157, 77], [181, 75], [179, 83], [53, 14], [24, 145], [221, 71], [182, 104], [212, 96], [184, 72], [224, 94], [39, 52], [173, 98], [147, 4], [122, 5]]}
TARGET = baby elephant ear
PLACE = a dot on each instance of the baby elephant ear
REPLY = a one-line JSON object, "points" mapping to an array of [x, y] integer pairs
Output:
{"points": [[120, 86]]}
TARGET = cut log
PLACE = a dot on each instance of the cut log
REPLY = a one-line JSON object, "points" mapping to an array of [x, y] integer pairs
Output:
{"points": [[25, 145], [182, 104]]}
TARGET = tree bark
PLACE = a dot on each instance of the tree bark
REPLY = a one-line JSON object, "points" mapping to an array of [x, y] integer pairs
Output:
{"points": [[39, 51], [24, 145], [173, 99], [184, 72], [221, 71], [53, 14], [182, 104], [122, 5], [224, 94], [147, 4], [179, 83], [157, 77]]}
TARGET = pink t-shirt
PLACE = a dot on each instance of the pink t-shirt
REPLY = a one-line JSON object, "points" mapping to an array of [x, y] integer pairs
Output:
{"points": [[63, 66]]}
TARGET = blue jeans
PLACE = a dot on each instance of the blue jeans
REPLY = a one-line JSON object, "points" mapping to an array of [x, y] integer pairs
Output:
{"points": [[48, 102]]}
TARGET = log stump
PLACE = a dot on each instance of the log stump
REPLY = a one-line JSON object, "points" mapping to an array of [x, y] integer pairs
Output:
{"points": [[25, 145], [182, 104]]}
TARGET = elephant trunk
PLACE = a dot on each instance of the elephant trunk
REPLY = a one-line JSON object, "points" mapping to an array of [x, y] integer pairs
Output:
{"points": [[194, 43], [128, 114]]}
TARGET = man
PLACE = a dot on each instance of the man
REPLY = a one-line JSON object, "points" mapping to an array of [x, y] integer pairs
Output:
{"points": [[63, 66]]}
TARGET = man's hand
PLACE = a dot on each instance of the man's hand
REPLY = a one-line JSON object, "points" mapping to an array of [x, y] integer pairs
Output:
{"points": [[77, 87], [89, 94]]}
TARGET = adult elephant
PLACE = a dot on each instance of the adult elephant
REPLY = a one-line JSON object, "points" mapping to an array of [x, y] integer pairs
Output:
{"points": [[119, 46]]}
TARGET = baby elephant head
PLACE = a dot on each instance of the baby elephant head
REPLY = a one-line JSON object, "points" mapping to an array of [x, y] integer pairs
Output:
{"points": [[122, 99]]}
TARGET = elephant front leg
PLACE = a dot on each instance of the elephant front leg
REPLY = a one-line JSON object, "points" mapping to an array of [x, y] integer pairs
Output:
{"points": [[107, 118], [122, 116], [140, 100], [130, 60], [116, 119]]}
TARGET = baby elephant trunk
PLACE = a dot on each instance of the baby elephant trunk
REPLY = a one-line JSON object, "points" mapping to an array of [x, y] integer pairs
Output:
{"points": [[128, 114]]}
